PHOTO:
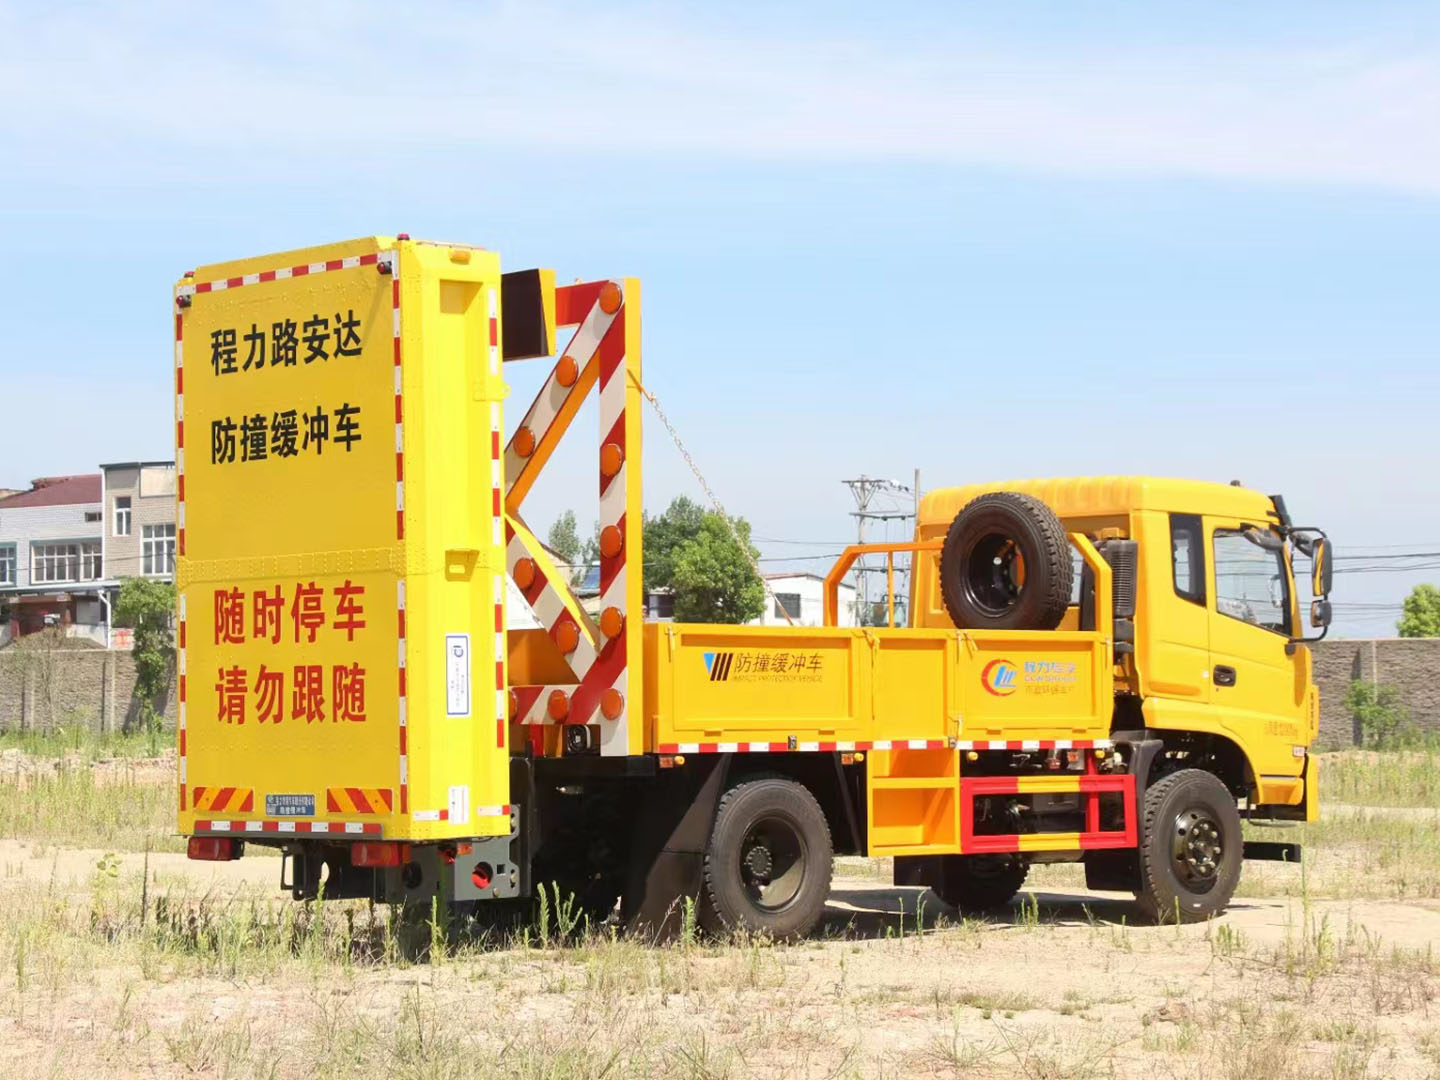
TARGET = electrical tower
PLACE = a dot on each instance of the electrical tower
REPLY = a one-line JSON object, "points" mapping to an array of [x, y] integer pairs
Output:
{"points": [[882, 501]]}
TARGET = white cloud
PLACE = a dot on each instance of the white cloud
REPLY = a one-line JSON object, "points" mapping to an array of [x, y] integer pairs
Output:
{"points": [[138, 86]]}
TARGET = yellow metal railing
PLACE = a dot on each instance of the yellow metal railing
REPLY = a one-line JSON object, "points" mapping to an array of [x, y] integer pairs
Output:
{"points": [[847, 559], [1092, 558]]}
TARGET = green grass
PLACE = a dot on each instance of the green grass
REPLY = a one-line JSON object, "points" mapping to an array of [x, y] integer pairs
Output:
{"points": [[72, 808], [80, 739], [1381, 778]]}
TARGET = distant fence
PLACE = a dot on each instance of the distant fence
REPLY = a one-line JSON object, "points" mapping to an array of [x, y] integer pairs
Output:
{"points": [[1410, 665], [63, 686], [44, 688]]}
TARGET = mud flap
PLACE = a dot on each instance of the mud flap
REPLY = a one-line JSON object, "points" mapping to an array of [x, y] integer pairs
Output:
{"points": [[667, 860]]}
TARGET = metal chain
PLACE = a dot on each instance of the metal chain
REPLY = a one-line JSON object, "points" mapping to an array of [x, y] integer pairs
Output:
{"points": [[709, 494]]}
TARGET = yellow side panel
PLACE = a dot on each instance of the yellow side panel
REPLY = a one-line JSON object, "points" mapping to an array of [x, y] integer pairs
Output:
{"points": [[773, 684], [1022, 685]]}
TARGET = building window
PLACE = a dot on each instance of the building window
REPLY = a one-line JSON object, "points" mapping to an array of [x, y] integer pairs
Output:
{"points": [[52, 564], [157, 550], [1187, 553], [122, 515], [1250, 582], [7, 564], [787, 603], [92, 516]]}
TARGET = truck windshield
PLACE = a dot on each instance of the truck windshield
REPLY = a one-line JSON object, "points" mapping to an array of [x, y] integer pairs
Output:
{"points": [[1250, 582]]}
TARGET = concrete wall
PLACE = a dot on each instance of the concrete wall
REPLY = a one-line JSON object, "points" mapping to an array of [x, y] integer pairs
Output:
{"points": [[1410, 665], [41, 688]]}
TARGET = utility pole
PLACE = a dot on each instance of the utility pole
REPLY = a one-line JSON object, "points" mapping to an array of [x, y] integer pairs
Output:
{"points": [[881, 500]]}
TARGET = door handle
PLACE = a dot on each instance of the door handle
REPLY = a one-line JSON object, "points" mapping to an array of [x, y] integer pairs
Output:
{"points": [[1224, 675]]}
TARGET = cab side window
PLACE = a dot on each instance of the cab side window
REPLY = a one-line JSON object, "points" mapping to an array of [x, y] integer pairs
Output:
{"points": [[1250, 582], [1187, 555]]}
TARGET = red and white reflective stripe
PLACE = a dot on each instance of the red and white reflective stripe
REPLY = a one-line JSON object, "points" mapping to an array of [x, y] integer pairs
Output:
{"points": [[180, 432], [502, 699], [497, 536], [614, 731], [545, 601], [393, 260], [531, 702], [404, 730], [181, 731], [181, 728], [365, 828], [444, 815], [349, 262], [1036, 744], [553, 395], [802, 747]]}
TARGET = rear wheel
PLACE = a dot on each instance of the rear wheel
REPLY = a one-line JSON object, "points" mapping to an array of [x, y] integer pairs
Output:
{"points": [[979, 883], [767, 865], [1190, 847]]}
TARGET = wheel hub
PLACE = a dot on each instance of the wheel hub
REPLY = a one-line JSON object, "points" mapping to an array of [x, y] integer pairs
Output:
{"points": [[1197, 849], [759, 862], [773, 862]]}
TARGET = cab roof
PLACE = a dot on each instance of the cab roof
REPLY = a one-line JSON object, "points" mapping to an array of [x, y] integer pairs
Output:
{"points": [[1109, 496]]}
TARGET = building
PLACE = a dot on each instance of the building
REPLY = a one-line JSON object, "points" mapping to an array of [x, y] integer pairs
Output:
{"points": [[139, 502], [51, 567], [802, 596]]}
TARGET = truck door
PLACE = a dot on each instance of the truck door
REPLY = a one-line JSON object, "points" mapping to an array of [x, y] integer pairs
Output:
{"points": [[1259, 683]]}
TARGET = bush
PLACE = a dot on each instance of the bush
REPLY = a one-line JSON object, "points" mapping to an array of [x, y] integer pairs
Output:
{"points": [[1384, 722]]}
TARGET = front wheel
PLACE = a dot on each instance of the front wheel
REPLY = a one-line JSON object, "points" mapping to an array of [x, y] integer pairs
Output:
{"points": [[767, 865], [1190, 847]]}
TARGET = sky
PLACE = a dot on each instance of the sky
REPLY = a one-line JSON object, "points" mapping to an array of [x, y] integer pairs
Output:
{"points": [[985, 241]]}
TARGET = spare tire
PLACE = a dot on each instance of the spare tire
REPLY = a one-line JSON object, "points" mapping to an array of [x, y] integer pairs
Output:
{"points": [[1006, 565]]}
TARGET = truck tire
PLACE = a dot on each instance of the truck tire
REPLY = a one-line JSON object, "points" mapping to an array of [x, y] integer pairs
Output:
{"points": [[975, 884], [767, 864], [1190, 847], [1005, 565]]}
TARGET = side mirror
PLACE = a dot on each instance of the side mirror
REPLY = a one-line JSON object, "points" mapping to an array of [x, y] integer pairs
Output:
{"points": [[1320, 614], [1322, 570]]}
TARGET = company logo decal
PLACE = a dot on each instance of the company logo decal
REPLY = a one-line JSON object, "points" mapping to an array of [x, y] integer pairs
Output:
{"points": [[999, 677], [719, 664], [1035, 677], [764, 666]]}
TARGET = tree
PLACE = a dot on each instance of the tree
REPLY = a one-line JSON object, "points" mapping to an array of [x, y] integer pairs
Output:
{"points": [[663, 535], [564, 539], [693, 552], [147, 607], [1384, 722], [1420, 613]]}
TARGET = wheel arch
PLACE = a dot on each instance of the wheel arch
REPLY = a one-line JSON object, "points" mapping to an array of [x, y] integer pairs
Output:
{"points": [[840, 790], [1189, 744]]}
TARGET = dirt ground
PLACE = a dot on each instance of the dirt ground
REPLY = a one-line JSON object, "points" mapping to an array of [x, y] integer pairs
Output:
{"points": [[114, 962], [1064, 985]]}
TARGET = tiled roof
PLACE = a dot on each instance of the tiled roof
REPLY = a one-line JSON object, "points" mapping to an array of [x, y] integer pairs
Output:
{"points": [[57, 491]]}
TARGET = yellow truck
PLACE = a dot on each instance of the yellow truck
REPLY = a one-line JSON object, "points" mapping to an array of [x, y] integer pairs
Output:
{"points": [[384, 675]]}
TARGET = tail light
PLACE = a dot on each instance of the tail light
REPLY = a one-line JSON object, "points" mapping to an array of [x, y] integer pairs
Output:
{"points": [[374, 853], [212, 848]]}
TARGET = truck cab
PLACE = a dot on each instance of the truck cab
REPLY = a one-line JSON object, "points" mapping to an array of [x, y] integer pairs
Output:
{"points": [[1216, 657]]}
